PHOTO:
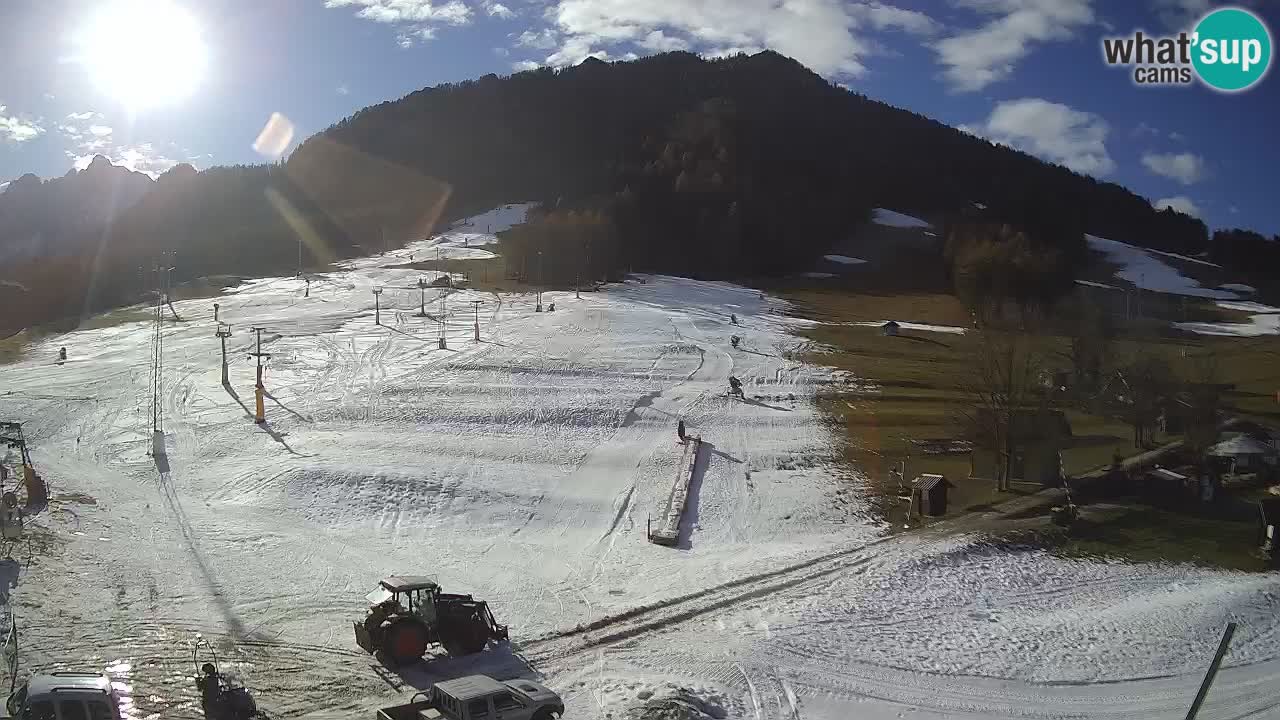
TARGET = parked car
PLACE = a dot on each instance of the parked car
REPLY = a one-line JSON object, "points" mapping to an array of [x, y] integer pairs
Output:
{"points": [[65, 696]]}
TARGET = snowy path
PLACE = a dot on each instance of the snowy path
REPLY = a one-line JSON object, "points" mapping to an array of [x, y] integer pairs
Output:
{"points": [[523, 468]]}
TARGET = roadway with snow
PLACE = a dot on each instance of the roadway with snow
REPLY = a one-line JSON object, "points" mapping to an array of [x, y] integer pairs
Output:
{"points": [[523, 468]]}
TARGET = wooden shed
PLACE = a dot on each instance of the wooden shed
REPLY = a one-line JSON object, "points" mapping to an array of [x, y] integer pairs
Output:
{"points": [[890, 328], [930, 491]]}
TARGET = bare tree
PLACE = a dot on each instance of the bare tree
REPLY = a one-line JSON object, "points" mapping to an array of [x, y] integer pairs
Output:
{"points": [[1203, 401], [1089, 333], [1148, 380], [1002, 380]]}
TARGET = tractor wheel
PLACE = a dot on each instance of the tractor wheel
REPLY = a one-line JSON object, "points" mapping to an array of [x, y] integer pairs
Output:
{"points": [[405, 642], [546, 714]]}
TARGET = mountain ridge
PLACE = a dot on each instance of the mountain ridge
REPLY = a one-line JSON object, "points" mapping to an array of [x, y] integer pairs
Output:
{"points": [[751, 163]]}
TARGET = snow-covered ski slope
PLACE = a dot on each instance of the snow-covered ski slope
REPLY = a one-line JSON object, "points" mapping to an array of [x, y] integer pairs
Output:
{"points": [[523, 469]]}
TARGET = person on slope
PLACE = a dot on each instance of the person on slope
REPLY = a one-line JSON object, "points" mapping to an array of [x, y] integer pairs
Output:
{"points": [[735, 387], [680, 431]]}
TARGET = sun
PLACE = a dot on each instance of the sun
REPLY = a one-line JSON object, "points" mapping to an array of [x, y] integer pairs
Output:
{"points": [[144, 53]]}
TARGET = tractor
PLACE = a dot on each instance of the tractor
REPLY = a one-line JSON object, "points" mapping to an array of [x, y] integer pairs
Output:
{"points": [[408, 613]]}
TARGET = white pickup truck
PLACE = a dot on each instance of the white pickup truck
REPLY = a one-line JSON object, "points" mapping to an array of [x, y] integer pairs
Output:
{"points": [[479, 697]]}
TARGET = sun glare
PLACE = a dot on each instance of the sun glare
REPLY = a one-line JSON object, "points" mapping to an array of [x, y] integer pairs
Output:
{"points": [[144, 53]]}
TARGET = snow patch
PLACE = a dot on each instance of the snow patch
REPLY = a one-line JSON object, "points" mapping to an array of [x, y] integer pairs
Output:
{"points": [[844, 259], [1239, 287], [1187, 258], [1265, 320], [466, 239], [1090, 283], [1248, 306], [948, 329], [892, 218], [1144, 270]]}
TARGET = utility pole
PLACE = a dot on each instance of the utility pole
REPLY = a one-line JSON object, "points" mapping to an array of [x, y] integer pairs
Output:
{"points": [[476, 304], [259, 412], [443, 317], [377, 308], [157, 369], [422, 297], [1212, 672], [224, 332], [215, 312], [538, 307]]}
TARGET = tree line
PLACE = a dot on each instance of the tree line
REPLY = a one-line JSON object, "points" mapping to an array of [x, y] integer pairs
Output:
{"points": [[747, 165]]}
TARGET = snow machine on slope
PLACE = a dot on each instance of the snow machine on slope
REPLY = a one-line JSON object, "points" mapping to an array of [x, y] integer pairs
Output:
{"points": [[408, 613], [221, 697]]}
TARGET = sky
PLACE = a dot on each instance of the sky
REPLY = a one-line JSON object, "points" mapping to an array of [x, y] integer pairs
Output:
{"points": [[151, 83]]}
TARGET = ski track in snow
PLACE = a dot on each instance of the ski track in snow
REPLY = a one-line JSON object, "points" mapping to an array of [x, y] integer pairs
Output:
{"points": [[523, 469]]}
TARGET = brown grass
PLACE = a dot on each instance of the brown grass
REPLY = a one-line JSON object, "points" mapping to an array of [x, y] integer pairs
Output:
{"points": [[910, 387]]}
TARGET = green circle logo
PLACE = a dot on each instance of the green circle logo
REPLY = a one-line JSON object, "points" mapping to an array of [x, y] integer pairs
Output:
{"points": [[1231, 49]]}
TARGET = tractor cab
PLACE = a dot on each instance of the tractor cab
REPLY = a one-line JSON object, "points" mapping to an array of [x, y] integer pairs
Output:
{"points": [[408, 595]]}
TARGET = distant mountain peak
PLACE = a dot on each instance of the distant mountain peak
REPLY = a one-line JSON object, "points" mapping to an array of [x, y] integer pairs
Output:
{"points": [[181, 171], [27, 180]]}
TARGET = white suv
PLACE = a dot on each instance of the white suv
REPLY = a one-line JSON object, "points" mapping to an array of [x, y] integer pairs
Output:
{"points": [[65, 696]]}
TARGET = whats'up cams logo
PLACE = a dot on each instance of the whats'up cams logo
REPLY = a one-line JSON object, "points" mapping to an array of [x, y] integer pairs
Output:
{"points": [[1229, 50]]}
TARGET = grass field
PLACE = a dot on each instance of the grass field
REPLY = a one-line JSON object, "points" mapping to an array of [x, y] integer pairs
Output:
{"points": [[1140, 533], [910, 394]]}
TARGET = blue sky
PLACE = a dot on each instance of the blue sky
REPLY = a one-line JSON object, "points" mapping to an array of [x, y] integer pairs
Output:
{"points": [[153, 82]]}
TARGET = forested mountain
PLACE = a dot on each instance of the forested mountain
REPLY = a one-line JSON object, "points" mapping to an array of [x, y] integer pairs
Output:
{"points": [[743, 165]]}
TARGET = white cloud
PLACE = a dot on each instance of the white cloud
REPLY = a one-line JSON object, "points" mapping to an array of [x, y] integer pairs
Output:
{"points": [[1143, 129], [973, 59], [658, 41], [143, 158], [409, 39], [1187, 168], [1180, 203], [1051, 131], [822, 34], [1179, 14], [498, 10], [576, 49], [1234, 210], [724, 52], [88, 135], [16, 129], [523, 65], [453, 12], [342, 90], [887, 17], [1177, 136], [418, 17], [544, 40], [87, 131]]}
